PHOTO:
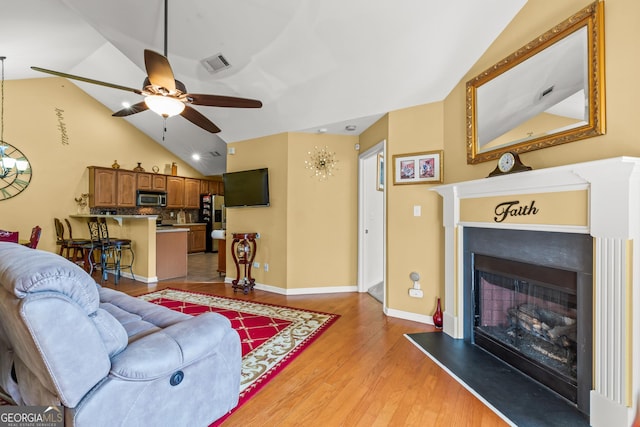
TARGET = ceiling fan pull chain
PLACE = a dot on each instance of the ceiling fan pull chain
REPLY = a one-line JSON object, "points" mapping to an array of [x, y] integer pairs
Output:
{"points": [[164, 127]]}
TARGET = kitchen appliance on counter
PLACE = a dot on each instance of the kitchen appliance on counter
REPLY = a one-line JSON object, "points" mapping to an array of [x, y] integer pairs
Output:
{"points": [[211, 213]]}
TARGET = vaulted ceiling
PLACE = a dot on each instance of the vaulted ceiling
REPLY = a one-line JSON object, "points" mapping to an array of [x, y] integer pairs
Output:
{"points": [[313, 64]]}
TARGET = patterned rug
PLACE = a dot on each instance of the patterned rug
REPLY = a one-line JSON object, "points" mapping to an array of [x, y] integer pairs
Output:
{"points": [[271, 335]]}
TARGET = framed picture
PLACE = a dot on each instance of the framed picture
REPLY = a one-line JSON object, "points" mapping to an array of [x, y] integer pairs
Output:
{"points": [[380, 173], [418, 168]]}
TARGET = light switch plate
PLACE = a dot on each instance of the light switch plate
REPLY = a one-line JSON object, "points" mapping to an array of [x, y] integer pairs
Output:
{"points": [[417, 210]]}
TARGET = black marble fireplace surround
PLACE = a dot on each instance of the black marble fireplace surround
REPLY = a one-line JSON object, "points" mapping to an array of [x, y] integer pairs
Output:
{"points": [[544, 260]]}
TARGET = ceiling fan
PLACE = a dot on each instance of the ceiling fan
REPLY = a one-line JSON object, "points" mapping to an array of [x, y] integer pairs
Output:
{"points": [[164, 94]]}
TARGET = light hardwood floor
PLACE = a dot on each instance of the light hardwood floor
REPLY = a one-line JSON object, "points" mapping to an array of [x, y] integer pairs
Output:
{"points": [[361, 372]]}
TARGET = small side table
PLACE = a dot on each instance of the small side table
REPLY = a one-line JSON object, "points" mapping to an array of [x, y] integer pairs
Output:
{"points": [[243, 251]]}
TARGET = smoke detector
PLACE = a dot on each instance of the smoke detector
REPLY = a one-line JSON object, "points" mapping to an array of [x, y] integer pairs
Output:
{"points": [[215, 63]]}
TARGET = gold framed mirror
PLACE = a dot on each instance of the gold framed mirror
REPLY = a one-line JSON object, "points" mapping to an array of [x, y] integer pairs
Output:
{"points": [[549, 92]]}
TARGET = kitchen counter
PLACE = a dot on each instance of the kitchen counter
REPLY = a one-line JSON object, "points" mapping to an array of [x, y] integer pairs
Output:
{"points": [[170, 229]]}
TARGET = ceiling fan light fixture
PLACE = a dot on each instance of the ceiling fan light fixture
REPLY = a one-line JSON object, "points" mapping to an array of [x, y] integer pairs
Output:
{"points": [[164, 105]]}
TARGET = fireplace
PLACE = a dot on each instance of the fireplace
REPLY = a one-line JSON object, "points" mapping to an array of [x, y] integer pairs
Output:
{"points": [[526, 315], [529, 305], [597, 202]]}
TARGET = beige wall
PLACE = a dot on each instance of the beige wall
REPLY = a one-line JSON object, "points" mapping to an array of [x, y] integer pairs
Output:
{"points": [[271, 222], [307, 234], [59, 169], [414, 243]]}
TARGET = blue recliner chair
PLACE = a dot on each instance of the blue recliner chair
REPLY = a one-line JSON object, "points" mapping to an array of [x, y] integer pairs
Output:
{"points": [[108, 358]]}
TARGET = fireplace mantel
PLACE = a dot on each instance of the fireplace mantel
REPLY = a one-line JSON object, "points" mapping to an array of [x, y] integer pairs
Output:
{"points": [[608, 192]]}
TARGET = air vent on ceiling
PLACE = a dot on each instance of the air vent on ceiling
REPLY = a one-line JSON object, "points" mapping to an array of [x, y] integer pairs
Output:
{"points": [[215, 63], [214, 153]]}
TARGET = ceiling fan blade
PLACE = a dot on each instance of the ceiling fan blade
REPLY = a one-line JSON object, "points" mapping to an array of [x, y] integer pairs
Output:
{"points": [[198, 119], [159, 70], [223, 101], [135, 108], [87, 80]]}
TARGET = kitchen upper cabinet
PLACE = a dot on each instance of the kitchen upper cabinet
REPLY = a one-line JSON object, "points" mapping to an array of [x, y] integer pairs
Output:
{"points": [[191, 193], [126, 194], [109, 188], [102, 187], [151, 181], [175, 192], [204, 186]]}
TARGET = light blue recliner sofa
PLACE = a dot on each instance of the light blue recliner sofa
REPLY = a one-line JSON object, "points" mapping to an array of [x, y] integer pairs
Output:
{"points": [[109, 358]]}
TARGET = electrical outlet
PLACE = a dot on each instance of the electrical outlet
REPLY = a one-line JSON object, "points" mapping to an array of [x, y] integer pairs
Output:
{"points": [[266, 267], [415, 293], [256, 264]]}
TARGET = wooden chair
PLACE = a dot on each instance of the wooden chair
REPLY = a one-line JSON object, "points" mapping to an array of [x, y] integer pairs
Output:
{"points": [[75, 250], [35, 237], [9, 236]]}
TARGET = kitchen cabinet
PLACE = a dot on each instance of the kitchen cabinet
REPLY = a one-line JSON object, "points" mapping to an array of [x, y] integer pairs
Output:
{"points": [[102, 187], [151, 181], [196, 237], [126, 185], [211, 186], [204, 186], [111, 188], [197, 240], [175, 192], [191, 193]]}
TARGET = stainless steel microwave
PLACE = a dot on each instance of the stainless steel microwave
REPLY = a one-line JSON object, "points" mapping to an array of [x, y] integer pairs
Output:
{"points": [[151, 198]]}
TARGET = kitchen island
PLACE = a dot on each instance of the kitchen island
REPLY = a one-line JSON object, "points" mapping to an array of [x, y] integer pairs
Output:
{"points": [[171, 252]]}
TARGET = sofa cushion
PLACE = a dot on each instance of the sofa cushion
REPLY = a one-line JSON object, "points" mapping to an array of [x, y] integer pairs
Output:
{"points": [[25, 270]]}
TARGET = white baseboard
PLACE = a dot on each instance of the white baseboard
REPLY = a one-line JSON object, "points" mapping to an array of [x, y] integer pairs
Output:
{"points": [[420, 318], [301, 291], [136, 277]]}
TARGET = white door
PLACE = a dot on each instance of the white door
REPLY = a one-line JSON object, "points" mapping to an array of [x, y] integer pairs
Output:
{"points": [[371, 247]]}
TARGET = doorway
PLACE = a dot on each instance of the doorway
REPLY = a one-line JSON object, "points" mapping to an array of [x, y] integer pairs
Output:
{"points": [[371, 221]]}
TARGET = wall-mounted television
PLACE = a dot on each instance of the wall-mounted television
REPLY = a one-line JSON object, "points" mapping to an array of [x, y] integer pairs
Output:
{"points": [[246, 188]]}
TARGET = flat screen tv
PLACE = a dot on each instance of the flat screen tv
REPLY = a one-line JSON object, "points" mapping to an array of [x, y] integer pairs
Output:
{"points": [[246, 188]]}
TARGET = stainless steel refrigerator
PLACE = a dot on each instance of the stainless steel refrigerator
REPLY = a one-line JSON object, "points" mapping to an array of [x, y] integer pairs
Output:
{"points": [[212, 214]]}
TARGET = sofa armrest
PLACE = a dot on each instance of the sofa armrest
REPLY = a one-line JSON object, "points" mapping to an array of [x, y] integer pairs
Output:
{"points": [[163, 352]]}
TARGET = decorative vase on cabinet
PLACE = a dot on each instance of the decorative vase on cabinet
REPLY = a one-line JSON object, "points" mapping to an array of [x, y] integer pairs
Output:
{"points": [[437, 316]]}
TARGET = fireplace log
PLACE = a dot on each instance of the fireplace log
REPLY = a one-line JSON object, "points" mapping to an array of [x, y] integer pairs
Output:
{"points": [[542, 323], [557, 332]]}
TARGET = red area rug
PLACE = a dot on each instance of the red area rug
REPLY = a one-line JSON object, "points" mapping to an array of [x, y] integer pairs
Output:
{"points": [[271, 335]]}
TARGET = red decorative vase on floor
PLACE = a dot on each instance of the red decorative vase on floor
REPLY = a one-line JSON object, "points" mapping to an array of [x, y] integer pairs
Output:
{"points": [[437, 316]]}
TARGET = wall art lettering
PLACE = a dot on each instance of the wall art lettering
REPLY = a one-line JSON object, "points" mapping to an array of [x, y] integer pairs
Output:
{"points": [[514, 208], [64, 137]]}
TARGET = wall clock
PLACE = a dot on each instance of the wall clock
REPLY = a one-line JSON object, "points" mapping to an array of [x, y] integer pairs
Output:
{"points": [[509, 162], [15, 171]]}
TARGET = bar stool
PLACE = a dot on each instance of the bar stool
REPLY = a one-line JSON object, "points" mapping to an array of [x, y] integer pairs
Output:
{"points": [[75, 250], [111, 250]]}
